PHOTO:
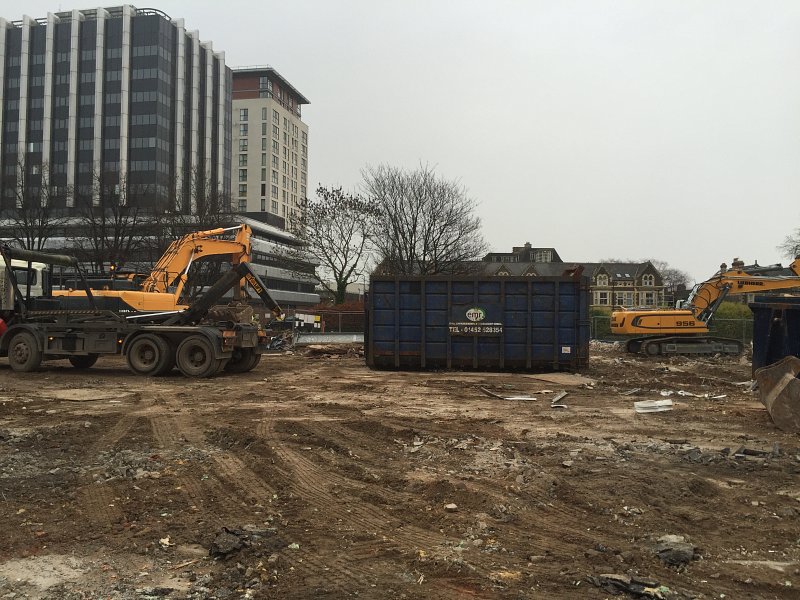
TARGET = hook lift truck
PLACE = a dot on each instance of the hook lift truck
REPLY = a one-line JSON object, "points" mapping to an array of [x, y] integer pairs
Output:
{"points": [[44, 327]]}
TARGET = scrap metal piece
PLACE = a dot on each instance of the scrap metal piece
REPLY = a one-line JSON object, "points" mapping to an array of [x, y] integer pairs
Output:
{"points": [[779, 389], [555, 402], [649, 406]]}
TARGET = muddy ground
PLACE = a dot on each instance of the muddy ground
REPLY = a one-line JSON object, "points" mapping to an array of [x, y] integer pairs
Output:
{"points": [[315, 477]]}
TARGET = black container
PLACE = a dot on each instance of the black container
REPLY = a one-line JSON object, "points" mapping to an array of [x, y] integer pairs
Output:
{"points": [[495, 323], [776, 329]]}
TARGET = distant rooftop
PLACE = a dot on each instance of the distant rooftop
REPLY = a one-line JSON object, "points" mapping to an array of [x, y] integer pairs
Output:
{"points": [[268, 69], [91, 13]]}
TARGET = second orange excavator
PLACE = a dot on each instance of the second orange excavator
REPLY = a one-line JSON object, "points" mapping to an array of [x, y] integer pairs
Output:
{"points": [[685, 330]]}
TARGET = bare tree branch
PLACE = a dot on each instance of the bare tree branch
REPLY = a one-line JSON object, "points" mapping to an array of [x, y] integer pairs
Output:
{"points": [[37, 216], [422, 224], [332, 230]]}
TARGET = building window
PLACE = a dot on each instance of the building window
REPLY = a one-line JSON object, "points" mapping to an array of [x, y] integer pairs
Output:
{"points": [[275, 177], [624, 298], [243, 160], [263, 175], [242, 174], [275, 162], [602, 279], [274, 207], [274, 192], [243, 189], [276, 132], [263, 113], [243, 114], [601, 298], [648, 298], [276, 118], [648, 280], [243, 145], [243, 129], [243, 205]]}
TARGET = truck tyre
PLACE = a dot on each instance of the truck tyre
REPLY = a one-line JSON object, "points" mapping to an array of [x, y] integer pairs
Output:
{"points": [[23, 353], [167, 360], [195, 357], [83, 361], [148, 354], [243, 360]]}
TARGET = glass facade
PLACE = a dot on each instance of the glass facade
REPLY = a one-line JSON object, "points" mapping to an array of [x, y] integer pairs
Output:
{"points": [[91, 103]]}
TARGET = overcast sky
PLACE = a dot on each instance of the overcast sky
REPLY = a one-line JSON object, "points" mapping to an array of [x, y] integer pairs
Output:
{"points": [[606, 129]]}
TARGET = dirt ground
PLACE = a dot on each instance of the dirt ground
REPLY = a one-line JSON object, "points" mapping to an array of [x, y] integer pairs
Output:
{"points": [[315, 477]]}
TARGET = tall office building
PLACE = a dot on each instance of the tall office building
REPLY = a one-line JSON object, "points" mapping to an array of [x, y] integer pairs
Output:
{"points": [[270, 143], [119, 99]]}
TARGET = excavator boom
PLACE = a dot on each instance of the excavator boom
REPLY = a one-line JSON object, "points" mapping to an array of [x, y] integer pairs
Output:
{"points": [[179, 256]]}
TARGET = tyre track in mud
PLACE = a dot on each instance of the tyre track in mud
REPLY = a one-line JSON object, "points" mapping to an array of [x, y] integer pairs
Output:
{"points": [[558, 522], [95, 501], [230, 488], [97, 504], [311, 483]]}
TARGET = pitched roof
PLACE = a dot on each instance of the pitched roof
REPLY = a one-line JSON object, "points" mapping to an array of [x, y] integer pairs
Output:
{"points": [[617, 270]]}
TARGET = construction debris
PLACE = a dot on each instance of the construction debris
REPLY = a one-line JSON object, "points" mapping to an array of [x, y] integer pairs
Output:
{"points": [[651, 406], [556, 402]]}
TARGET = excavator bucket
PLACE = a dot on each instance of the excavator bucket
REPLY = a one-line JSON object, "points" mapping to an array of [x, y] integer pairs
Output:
{"points": [[779, 387]]}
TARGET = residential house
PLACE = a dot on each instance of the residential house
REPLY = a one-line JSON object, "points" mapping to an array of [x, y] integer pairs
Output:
{"points": [[611, 283]]}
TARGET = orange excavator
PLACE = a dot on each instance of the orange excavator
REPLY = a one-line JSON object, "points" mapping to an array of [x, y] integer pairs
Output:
{"points": [[161, 290], [685, 330]]}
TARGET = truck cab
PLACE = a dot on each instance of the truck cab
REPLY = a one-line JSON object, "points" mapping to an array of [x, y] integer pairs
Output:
{"points": [[35, 280]]}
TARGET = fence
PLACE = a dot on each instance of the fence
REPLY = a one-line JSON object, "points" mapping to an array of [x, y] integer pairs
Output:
{"points": [[599, 326], [737, 329], [334, 321]]}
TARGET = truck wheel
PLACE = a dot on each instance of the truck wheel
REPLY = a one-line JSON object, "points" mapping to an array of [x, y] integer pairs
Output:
{"points": [[23, 353], [148, 354], [83, 361], [195, 357], [243, 360], [167, 360]]}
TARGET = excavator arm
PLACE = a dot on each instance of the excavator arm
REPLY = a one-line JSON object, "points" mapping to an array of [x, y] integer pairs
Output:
{"points": [[173, 266], [707, 296]]}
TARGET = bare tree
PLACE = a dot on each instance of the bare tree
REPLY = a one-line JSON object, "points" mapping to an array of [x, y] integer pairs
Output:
{"points": [[674, 279], [790, 248], [109, 226], [422, 223], [333, 230], [36, 217]]}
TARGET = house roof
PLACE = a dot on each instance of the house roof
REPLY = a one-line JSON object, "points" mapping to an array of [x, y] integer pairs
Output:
{"points": [[525, 268], [617, 270]]}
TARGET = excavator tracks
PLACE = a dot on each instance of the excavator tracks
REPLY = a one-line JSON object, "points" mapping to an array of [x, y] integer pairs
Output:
{"points": [[684, 345]]}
